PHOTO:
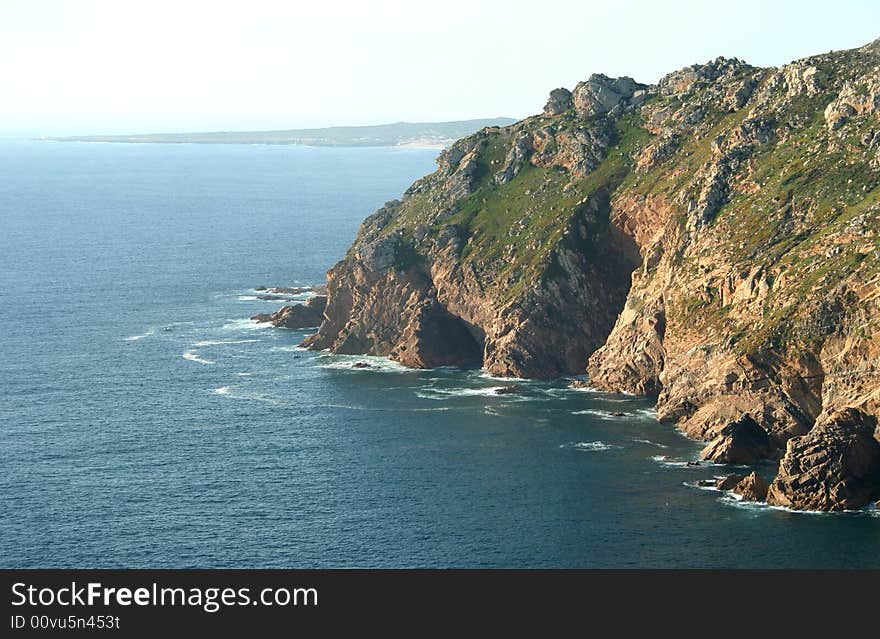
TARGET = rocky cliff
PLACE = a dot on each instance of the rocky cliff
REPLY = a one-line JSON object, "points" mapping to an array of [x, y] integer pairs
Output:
{"points": [[711, 240]]}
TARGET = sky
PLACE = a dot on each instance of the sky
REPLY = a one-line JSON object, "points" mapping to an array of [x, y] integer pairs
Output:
{"points": [[76, 67]]}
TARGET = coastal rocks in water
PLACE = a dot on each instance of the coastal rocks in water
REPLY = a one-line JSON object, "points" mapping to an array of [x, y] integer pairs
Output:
{"points": [[361, 365], [740, 442], [297, 316], [701, 241], [513, 389], [836, 466], [753, 487], [288, 290], [729, 482]]}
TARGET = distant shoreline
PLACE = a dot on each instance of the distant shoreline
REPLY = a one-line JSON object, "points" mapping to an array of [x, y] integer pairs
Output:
{"points": [[429, 135]]}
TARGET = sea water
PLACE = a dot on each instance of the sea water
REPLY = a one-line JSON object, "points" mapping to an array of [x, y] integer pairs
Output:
{"points": [[145, 421]]}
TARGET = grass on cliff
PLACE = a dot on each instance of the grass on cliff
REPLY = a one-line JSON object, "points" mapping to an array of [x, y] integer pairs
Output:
{"points": [[512, 228]]}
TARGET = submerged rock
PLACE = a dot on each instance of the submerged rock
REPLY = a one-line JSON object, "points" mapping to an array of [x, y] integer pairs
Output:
{"points": [[513, 389]]}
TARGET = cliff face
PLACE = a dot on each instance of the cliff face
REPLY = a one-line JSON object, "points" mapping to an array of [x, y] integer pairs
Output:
{"points": [[711, 240]]}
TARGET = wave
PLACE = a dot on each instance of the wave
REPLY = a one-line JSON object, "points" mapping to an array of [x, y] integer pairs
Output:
{"points": [[193, 357], [585, 389], [701, 464], [216, 342], [299, 298], [232, 393], [698, 486], [667, 461], [488, 375], [135, 338], [288, 349], [446, 393], [383, 409], [244, 325], [732, 499], [601, 414], [589, 446], [639, 440], [374, 364]]}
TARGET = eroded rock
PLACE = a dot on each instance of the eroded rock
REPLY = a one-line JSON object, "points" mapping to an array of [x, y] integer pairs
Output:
{"points": [[297, 316], [836, 466], [752, 487], [740, 442]]}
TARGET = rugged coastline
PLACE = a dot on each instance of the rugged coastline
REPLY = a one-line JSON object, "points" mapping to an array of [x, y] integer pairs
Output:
{"points": [[711, 241]]}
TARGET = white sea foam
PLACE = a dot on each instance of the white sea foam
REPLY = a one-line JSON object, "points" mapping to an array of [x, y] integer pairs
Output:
{"points": [[234, 392], [732, 499], [447, 393], [217, 342], [689, 464], [639, 440], [488, 375], [588, 446], [352, 363], [244, 325], [693, 484], [383, 408], [134, 338], [288, 349], [584, 389], [601, 414], [194, 357]]}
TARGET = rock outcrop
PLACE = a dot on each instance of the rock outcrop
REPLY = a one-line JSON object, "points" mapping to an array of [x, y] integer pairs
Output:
{"points": [[753, 487], [836, 466], [740, 442], [297, 316], [712, 241]]}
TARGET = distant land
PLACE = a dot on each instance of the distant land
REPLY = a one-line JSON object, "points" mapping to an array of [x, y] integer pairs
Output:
{"points": [[431, 134]]}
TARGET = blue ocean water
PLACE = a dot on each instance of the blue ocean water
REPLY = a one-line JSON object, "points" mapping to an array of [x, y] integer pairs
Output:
{"points": [[146, 422]]}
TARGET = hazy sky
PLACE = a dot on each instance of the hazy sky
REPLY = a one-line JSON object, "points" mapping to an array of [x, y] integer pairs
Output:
{"points": [[118, 66]]}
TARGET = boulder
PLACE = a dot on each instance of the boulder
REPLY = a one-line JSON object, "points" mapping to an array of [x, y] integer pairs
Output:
{"points": [[559, 102], [836, 466], [753, 487], [740, 442], [600, 94], [728, 483]]}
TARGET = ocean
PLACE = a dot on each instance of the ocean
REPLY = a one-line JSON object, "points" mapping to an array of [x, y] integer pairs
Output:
{"points": [[145, 421]]}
